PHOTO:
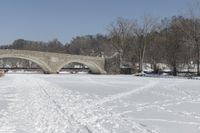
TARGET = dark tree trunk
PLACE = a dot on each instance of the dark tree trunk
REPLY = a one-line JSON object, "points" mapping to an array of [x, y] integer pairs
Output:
{"points": [[155, 69], [198, 63], [140, 65], [174, 71], [198, 71]]}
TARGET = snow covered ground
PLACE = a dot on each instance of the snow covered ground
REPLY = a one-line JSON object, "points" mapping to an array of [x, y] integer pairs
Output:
{"points": [[36, 103]]}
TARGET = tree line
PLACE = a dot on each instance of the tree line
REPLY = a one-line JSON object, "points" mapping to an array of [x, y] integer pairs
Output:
{"points": [[173, 41]]}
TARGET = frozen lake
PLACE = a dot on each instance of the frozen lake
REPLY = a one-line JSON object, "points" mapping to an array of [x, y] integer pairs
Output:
{"points": [[36, 103]]}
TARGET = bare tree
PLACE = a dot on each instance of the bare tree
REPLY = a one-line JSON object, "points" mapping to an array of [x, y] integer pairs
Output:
{"points": [[193, 33], [143, 38], [155, 50], [190, 26], [174, 44], [121, 33], [89, 45]]}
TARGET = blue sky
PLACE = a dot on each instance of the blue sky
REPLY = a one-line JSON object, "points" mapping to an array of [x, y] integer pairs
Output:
{"points": [[44, 20]]}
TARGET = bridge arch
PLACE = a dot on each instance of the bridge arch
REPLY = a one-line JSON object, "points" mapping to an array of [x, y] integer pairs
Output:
{"points": [[37, 61], [95, 69]]}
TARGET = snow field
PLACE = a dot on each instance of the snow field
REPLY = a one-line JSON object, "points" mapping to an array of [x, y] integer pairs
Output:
{"points": [[98, 104]]}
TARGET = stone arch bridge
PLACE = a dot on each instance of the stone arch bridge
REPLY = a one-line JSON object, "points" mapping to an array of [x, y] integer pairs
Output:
{"points": [[51, 63]]}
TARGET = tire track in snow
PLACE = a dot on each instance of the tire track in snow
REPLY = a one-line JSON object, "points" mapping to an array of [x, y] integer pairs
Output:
{"points": [[125, 94], [175, 101], [69, 120], [169, 121], [120, 95], [107, 113], [35, 108], [62, 111], [35, 91]]}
